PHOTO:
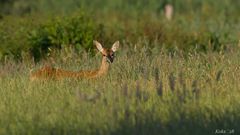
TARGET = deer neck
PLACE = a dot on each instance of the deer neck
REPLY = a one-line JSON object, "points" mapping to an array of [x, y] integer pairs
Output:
{"points": [[104, 66]]}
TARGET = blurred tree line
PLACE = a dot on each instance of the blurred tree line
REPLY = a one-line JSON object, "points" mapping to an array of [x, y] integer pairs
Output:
{"points": [[21, 7], [42, 24], [16, 7]]}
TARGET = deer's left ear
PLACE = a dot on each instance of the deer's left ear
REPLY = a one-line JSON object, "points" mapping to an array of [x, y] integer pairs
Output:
{"points": [[98, 45], [115, 46]]}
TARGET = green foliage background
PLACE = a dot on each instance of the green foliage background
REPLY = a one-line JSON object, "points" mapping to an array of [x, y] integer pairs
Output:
{"points": [[34, 26]]}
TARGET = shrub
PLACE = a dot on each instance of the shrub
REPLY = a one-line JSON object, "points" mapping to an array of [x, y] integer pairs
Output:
{"points": [[77, 31], [13, 37]]}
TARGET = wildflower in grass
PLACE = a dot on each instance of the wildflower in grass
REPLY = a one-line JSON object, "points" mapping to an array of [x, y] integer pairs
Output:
{"points": [[158, 83], [182, 81], [79, 95], [144, 73], [145, 96], [105, 101], [156, 76], [138, 91], [219, 75], [183, 84], [172, 82], [94, 97], [127, 112], [160, 88], [195, 89], [125, 90]]}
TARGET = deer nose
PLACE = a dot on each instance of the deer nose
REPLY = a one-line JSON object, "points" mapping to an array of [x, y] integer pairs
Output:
{"points": [[110, 59]]}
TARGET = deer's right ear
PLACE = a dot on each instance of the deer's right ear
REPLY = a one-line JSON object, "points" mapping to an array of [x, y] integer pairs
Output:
{"points": [[115, 46], [98, 45]]}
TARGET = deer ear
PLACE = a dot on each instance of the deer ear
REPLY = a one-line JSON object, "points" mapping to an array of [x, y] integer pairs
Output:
{"points": [[98, 45], [115, 46]]}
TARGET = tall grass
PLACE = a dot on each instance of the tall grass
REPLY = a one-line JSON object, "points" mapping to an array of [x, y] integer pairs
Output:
{"points": [[144, 93], [169, 77]]}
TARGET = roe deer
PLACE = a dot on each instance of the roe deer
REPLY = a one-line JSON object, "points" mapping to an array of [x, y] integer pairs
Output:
{"points": [[48, 72]]}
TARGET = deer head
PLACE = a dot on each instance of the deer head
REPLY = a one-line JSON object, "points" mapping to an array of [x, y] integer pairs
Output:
{"points": [[107, 54]]}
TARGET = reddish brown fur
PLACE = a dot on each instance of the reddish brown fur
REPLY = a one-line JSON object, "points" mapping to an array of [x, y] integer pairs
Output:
{"points": [[48, 72], [57, 74]]}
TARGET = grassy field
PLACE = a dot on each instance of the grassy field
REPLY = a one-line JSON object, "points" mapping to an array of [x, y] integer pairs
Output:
{"points": [[170, 77], [146, 92]]}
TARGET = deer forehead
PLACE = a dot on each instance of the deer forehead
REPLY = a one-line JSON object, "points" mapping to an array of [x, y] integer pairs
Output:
{"points": [[107, 51]]}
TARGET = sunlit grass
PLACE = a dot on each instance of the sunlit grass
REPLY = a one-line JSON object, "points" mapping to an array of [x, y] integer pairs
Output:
{"points": [[143, 93]]}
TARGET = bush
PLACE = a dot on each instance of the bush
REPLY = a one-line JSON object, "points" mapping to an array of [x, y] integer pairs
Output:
{"points": [[13, 37], [77, 31]]}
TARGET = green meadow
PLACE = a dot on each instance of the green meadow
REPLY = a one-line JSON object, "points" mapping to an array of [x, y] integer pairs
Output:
{"points": [[169, 77]]}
